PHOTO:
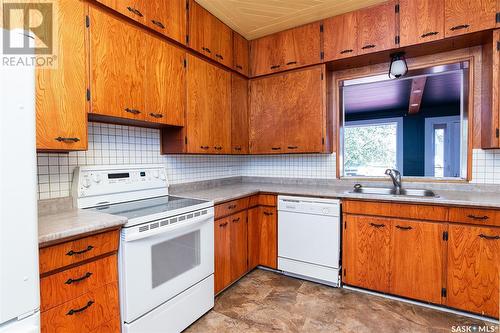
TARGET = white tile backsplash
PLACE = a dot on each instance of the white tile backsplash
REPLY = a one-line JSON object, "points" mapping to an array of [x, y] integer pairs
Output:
{"points": [[115, 144]]}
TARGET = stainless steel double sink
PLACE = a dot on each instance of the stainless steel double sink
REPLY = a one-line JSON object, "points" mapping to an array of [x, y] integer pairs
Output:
{"points": [[393, 191]]}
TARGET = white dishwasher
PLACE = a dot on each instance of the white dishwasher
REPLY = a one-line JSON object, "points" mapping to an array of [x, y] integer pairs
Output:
{"points": [[309, 238]]}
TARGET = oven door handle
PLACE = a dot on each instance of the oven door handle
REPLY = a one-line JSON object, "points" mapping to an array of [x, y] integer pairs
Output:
{"points": [[174, 227]]}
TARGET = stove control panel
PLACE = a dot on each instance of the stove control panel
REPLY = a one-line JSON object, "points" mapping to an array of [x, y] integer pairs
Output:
{"points": [[110, 180]]}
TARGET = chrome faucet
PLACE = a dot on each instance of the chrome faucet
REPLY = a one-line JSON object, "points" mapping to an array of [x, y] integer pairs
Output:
{"points": [[396, 179]]}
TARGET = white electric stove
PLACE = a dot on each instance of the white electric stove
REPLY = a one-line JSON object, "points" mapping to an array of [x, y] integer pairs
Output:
{"points": [[166, 256]]}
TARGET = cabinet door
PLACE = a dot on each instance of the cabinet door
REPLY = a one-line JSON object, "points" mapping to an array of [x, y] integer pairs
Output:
{"points": [[168, 17], [201, 29], [262, 237], [116, 60], [366, 252], [61, 106], [239, 245], [265, 127], [222, 243], [473, 269], [239, 115], [376, 28], [466, 16], [490, 90], [303, 110], [220, 109], [240, 54], [135, 9], [417, 260], [222, 42], [421, 21], [265, 55], [166, 83], [300, 46], [340, 36]]}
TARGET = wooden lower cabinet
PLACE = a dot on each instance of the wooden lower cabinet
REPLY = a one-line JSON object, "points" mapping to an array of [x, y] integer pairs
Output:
{"points": [[474, 269], [262, 237]]}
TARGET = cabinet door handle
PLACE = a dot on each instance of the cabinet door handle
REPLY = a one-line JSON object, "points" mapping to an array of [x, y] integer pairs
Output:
{"points": [[489, 237], [236, 220], [377, 225], [67, 140], [219, 56], [369, 46], [222, 225], [72, 253], [231, 207], [268, 214], [206, 49], [237, 148], [86, 276], [403, 228], [475, 217], [156, 115], [239, 67], [275, 66], [218, 147], [204, 147], [459, 27], [73, 311], [275, 148], [428, 34], [132, 111], [135, 11], [291, 63], [293, 147], [346, 51], [158, 24]]}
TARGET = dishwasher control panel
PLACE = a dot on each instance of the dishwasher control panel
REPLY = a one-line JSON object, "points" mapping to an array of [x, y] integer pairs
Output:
{"points": [[316, 206]]}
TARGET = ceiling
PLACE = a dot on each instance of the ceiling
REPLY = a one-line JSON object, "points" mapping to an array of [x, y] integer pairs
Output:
{"points": [[395, 94], [257, 18]]}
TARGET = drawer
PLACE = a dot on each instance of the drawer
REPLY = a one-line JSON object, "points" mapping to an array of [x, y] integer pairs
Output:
{"points": [[398, 210], [477, 216], [85, 313], [262, 200], [230, 207], [72, 252], [64, 286]]}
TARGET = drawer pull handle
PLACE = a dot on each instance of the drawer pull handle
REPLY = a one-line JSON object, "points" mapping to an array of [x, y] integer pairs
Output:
{"points": [[293, 147], [474, 217], [73, 311], [239, 67], [156, 115], [377, 225], [291, 63], [135, 11], [206, 49], [204, 147], [237, 148], [236, 220], [218, 148], [275, 67], [72, 253], [403, 228], [86, 276], [276, 148], [346, 51], [219, 56], [67, 140], [268, 214], [158, 24], [223, 225], [231, 207], [370, 46], [428, 34], [489, 237], [460, 27], [133, 111]]}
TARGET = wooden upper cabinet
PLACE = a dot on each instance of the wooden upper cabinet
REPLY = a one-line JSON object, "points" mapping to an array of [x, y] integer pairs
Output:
{"points": [[377, 28], [168, 17], [473, 269], [466, 16], [421, 21], [239, 114], [209, 36], [241, 53], [287, 112], [208, 119], [417, 260], [61, 105], [116, 60], [166, 82], [285, 50], [490, 93], [367, 252], [340, 36]]}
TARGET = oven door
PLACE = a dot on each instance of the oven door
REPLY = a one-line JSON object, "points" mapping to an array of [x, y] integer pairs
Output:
{"points": [[159, 264]]}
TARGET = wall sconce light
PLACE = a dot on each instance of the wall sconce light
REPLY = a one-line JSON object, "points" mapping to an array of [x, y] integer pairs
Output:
{"points": [[398, 67]]}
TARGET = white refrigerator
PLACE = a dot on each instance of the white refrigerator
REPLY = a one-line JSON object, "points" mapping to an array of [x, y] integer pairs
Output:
{"points": [[19, 278]]}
